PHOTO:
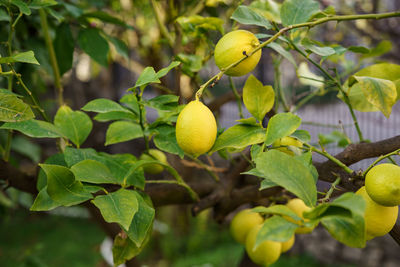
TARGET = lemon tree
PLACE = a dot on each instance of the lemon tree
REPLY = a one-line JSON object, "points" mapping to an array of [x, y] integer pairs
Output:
{"points": [[102, 153]]}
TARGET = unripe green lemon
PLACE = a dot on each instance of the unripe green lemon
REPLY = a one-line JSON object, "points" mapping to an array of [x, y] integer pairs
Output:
{"points": [[243, 222], [288, 244], [154, 155], [298, 206], [232, 47], [382, 183], [266, 253], [287, 141], [379, 220], [196, 128]]}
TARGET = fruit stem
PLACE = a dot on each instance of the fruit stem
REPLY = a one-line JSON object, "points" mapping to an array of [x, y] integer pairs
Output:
{"points": [[396, 152], [330, 157]]}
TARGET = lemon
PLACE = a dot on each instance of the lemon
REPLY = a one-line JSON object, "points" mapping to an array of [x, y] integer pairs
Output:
{"points": [[196, 128], [382, 183], [154, 155], [232, 47], [379, 220], [287, 244], [266, 253], [287, 141], [297, 205], [243, 222]]}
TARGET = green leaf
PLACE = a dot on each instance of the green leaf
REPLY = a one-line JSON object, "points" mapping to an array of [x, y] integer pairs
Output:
{"points": [[118, 207], [163, 102], [91, 41], [239, 136], [298, 11], [257, 98], [277, 229], [103, 105], [122, 131], [124, 249], [164, 71], [245, 15], [105, 17], [349, 231], [302, 135], [282, 210], [34, 128], [64, 47], [142, 222], [13, 109], [265, 183], [43, 202], [249, 121], [37, 4], [281, 125], [22, 6], [147, 76], [269, 9], [115, 115], [165, 140], [340, 138], [120, 46], [4, 15], [24, 57], [306, 77], [379, 92], [317, 49], [131, 102], [92, 171], [286, 54], [291, 174], [75, 125], [56, 159], [25, 147], [62, 187]]}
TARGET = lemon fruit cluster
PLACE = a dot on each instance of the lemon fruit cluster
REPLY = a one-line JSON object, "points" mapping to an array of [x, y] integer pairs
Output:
{"points": [[245, 227], [154, 154], [382, 183], [379, 220], [232, 47], [298, 206], [196, 128], [282, 144]]}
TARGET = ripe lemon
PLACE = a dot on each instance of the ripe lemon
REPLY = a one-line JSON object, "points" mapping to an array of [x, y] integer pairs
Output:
{"points": [[382, 183], [232, 47], [266, 253], [287, 244], [379, 220], [287, 141], [243, 222], [154, 155], [297, 205], [196, 128]]}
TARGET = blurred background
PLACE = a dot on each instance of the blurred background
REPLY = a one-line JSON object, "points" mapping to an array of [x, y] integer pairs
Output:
{"points": [[71, 237]]}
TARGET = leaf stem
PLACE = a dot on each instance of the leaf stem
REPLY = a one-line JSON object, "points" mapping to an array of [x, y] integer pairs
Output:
{"points": [[142, 120], [52, 54], [396, 152], [291, 27], [330, 191], [237, 96]]}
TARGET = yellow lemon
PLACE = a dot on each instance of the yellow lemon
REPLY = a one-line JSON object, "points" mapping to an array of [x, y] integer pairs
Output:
{"points": [[154, 155], [287, 244], [243, 222], [266, 253], [382, 183], [287, 141], [196, 128], [232, 47], [297, 205], [379, 220]]}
